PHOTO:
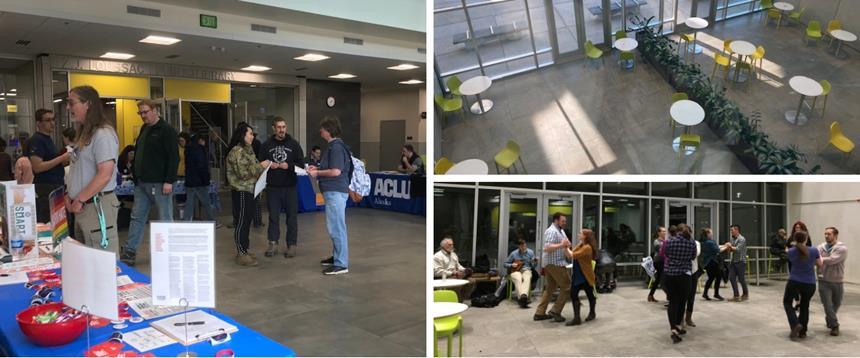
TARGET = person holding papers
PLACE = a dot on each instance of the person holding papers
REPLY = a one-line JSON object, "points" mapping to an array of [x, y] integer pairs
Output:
{"points": [[243, 169], [286, 154]]}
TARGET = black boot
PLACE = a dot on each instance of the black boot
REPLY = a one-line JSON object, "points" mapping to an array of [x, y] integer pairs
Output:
{"points": [[689, 319], [591, 312], [576, 320]]}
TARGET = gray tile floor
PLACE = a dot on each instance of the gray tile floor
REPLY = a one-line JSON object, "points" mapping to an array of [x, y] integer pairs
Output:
{"points": [[627, 325], [377, 309], [581, 117]]}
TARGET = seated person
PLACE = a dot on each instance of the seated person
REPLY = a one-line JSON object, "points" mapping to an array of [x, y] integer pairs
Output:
{"points": [[520, 263], [410, 162], [446, 264], [314, 156]]}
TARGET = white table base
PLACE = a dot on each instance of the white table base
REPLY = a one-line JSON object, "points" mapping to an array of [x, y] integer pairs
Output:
{"points": [[740, 77], [481, 106], [793, 118]]}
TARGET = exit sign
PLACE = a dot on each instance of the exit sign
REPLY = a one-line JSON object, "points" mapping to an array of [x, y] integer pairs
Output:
{"points": [[208, 21]]}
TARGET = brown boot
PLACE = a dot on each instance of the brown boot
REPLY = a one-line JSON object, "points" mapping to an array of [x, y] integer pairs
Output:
{"points": [[576, 319], [689, 319], [651, 298]]}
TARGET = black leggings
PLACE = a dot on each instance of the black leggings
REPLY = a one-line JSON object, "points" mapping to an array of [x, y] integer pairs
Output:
{"points": [[657, 277], [715, 275], [677, 290], [692, 297], [589, 292], [805, 291], [243, 203]]}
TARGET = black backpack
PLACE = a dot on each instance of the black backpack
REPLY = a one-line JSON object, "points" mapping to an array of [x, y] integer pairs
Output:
{"points": [[487, 301]]}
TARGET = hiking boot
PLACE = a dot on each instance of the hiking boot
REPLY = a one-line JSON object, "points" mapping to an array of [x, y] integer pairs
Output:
{"points": [[327, 262], [291, 251], [524, 301], [834, 331], [795, 332], [272, 250], [802, 333], [541, 317], [335, 270], [745, 297], [651, 298], [591, 312], [128, 257], [246, 260], [719, 298], [557, 317]]}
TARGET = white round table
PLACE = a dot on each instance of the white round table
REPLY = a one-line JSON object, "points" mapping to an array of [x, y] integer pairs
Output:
{"points": [[742, 48], [445, 309], [842, 36], [469, 166], [783, 6], [474, 87], [626, 45], [686, 113], [696, 23], [806, 87], [449, 283]]}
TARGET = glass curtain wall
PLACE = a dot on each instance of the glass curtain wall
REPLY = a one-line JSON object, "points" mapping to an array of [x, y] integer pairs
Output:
{"points": [[16, 103]]}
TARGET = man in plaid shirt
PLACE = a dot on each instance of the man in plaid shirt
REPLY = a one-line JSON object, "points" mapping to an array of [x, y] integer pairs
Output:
{"points": [[554, 262], [680, 252]]}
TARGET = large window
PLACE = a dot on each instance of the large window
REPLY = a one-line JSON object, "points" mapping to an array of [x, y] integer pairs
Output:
{"points": [[488, 225], [716, 191], [678, 190], [775, 192], [626, 188], [746, 192], [454, 215], [625, 228], [749, 217], [16, 102], [591, 212], [586, 187]]}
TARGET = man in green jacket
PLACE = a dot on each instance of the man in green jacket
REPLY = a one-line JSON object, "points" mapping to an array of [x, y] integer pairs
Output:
{"points": [[155, 163]]}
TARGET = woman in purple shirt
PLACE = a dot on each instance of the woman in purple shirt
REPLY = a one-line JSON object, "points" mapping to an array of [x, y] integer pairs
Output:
{"points": [[801, 281]]}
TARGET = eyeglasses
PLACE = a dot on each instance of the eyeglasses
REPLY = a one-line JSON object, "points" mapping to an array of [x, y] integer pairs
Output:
{"points": [[142, 113]]}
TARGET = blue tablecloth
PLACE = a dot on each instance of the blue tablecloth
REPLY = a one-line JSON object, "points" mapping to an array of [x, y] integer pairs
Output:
{"points": [[394, 192], [15, 298]]}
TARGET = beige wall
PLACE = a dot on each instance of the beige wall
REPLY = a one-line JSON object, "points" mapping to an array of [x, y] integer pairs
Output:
{"points": [[376, 106], [847, 11], [820, 205]]}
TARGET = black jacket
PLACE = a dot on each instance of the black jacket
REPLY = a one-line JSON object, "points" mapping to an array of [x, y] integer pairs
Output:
{"points": [[196, 166], [158, 159], [282, 151]]}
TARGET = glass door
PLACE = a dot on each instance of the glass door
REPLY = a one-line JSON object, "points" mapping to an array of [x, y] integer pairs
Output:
{"points": [[564, 204], [563, 19], [521, 218], [678, 213], [173, 113], [698, 215]]}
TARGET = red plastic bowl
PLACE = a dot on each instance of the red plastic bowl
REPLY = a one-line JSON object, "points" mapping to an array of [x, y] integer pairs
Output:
{"points": [[50, 334]]}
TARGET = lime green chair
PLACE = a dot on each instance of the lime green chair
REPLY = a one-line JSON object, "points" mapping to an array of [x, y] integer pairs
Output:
{"points": [[839, 141], [826, 86], [677, 96], [689, 39], [442, 166], [620, 34], [447, 105], [688, 140], [446, 326], [813, 30], [773, 14], [508, 156], [758, 57], [766, 4], [453, 84], [593, 52], [795, 15], [831, 26], [721, 61]]}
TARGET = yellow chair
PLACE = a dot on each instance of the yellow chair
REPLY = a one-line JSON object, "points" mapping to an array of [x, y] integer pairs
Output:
{"points": [[446, 326], [773, 14], [688, 140], [442, 166], [826, 86], [453, 84], [688, 38], [766, 4], [758, 56], [840, 141], [677, 96], [593, 52], [795, 15], [833, 25], [721, 61], [447, 105], [727, 48], [813, 30], [620, 34], [507, 157]]}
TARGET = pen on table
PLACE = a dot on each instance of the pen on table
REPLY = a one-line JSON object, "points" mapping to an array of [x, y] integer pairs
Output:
{"points": [[195, 323]]}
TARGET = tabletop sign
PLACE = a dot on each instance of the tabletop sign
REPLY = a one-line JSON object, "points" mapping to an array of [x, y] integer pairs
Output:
{"points": [[209, 21], [183, 263]]}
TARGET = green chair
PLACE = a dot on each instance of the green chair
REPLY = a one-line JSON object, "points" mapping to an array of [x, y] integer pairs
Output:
{"points": [[688, 140], [689, 39], [446, 326], [721, 61], [620, 34], [511, 289], [766, 4], [773, 14], [795, 15], [453, 84], [675, 98], [813, 30], [825, 85], [627, 57], [442, 166], [758, 57], [831, 26], [508, 156], [839, 141], [593, 52], [447, 105]]}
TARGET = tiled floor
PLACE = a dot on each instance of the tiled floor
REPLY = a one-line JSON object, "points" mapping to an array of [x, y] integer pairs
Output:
{"points": [[582, 118], [627, 325], [377, 309]]}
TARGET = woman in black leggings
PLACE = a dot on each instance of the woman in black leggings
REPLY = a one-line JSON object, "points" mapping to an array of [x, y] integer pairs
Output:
{"points": [[659, 238], [680, 252], [582, 275], [711, 259]]}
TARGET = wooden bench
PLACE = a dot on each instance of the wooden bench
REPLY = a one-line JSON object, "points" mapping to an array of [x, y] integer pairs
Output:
{"points": [[615, 7], [507, 32]]}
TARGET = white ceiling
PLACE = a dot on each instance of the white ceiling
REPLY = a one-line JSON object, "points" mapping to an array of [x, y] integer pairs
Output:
{"points": [[67, 37]]}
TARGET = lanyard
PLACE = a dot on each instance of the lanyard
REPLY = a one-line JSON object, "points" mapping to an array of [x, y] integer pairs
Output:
{"points": [[101, 214]]}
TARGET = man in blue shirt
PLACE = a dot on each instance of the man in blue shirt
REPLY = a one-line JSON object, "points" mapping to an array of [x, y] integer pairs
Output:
{"points": [[520, 263], [47, 163]]}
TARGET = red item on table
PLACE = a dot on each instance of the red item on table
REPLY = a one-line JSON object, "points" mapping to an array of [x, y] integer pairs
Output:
{"points": [[106, 349]]}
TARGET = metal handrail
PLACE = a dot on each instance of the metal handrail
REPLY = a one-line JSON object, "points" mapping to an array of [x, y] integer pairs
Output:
{"points": [[211, 129]]}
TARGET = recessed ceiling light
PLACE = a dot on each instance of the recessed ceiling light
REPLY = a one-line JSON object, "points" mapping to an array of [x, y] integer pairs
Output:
{"points": [[13, 90], [58, 100], [411, 82], [117, 55], [11, 94], [160, 40], [403, 67], [342, 76], [256, 68], [252, 86], [312, 57]]}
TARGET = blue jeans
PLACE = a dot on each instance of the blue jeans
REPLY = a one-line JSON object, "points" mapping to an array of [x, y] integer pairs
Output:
{"points": [[335, 222], [195, 194], [143, 201]]}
